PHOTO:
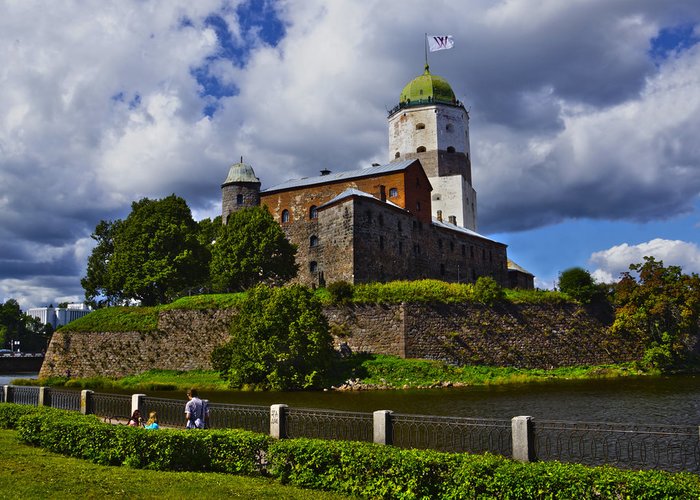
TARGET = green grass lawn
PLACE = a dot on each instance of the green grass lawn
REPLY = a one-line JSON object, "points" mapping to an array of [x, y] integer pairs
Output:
{"points": [[27, 472]]}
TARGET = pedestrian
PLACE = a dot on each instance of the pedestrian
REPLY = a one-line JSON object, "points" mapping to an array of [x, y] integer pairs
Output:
{"points": [[196, 411], [152, 421], [135, 420]]}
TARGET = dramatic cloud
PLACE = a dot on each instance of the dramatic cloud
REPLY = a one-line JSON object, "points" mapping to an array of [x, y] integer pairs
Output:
{"points": [[581, 109], [613, 261]]}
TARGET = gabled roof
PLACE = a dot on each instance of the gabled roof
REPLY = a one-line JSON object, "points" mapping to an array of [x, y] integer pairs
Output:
{"points": [[356, 192], [460, 229], [512, 266], [395, 166]]}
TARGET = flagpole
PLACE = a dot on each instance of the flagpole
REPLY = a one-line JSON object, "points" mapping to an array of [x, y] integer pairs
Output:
{"points": [[425, 41]]}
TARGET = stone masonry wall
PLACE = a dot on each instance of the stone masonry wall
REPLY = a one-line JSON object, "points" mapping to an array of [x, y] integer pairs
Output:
{"points": [[532, 336]]}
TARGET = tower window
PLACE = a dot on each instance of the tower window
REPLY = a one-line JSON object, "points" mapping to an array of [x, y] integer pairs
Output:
{"points": [[418, 206], [450, 149], [393, 193], [420, 126], [313, 241], [313, 212], [239, 199], [420, 149], [449, 127], [285, 215], [440, 244], [397, 155], [442, 269], [313, 266]]}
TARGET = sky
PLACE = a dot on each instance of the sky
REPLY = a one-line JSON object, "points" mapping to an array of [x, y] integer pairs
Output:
{"points": [[584, 118]]}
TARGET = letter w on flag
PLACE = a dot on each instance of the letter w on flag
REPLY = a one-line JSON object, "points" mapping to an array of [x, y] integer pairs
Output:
{"points": [[440, 42]]}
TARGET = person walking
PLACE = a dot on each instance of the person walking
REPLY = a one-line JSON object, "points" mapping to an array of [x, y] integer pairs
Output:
{"points": [[196, 411]]}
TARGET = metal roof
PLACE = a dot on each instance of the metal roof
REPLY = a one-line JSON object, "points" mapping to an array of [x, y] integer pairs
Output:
{"points": [[395, 166], [464, 230], [356, 192]]}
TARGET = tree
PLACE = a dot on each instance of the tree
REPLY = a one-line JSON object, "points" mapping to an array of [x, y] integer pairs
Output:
{"points": [[150, 256], [662, 307], [578, 283], [251, 248], [280, 340], [15, 325]]}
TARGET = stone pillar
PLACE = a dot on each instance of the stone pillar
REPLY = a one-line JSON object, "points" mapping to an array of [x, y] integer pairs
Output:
{"points": [[44, 396], [523, 439], [7, 394], [278, 421], [137, 404], [86, 403], [383, 430]]}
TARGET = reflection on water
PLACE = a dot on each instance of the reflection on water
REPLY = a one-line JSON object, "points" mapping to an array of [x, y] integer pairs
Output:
{"points": [[659, 400], [7, 378]]}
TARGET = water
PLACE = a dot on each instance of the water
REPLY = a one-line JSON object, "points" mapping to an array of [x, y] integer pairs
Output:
{"points": [[7, 378], [664, 400]]}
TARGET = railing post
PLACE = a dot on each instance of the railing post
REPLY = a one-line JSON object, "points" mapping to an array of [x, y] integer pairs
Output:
{"points": [[86, 406], [44, 396], [137, 404], [7, 393], [383, 429], [523, 439], [278, 421]]}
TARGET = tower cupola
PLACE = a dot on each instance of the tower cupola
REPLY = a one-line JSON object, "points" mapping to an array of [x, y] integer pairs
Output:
{"points": [[427, 88], [241, 189]]}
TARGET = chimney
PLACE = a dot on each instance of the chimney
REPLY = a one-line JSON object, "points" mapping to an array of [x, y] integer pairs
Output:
{"points": [[325, 171], [439, 215], [453, 219], [375, 164]]}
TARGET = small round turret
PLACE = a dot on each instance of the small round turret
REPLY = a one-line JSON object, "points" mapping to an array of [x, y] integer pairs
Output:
{"points": [[241, 189]]}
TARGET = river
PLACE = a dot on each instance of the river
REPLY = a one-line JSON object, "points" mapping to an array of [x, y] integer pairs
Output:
{"points": [[646, 400]]}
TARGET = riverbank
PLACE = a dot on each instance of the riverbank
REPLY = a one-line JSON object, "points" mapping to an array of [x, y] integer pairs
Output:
{"points": [[359, 372]]}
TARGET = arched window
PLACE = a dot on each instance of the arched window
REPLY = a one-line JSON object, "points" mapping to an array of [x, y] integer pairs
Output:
{"points": [[285, 215], [450, 149], [449, 127], [421, 149], [397, 155], [313, 240], [239, 199], [313, 266], [420, 126], [313, 212], [393, 193]]}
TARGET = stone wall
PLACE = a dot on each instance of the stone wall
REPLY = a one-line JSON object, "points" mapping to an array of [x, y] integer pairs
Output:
{"points": [[528, 336]]}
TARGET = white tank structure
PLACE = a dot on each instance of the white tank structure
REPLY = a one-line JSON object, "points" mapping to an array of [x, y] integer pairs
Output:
{"points": [[430, 124]]}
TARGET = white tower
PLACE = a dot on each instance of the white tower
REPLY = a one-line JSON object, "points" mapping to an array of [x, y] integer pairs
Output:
{"points": [[430, 124]]}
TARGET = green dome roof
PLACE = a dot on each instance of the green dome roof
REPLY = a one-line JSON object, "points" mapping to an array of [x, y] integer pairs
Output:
{"points": [[427, 88], [241, 172]]}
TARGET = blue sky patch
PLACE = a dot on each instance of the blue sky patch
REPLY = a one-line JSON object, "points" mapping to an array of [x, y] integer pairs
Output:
{"points": [[673, 39]]}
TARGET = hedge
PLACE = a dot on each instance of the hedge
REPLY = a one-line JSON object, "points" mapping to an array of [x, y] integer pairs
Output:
{"points": [[352, 468]]}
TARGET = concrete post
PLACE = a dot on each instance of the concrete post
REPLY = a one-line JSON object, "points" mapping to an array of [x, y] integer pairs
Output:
{"points": [[86, 406], [278, 421], [137, 404], [7, 394], [383, 430], [44, 396], [523, 439]]}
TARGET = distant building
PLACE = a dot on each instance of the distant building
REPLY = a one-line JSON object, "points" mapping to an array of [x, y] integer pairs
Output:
{"points": [[412, 218], [59, 316], [519, 277]]}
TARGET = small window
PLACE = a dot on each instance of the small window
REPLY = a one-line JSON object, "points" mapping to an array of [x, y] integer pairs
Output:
{"points": [[313, 266], [393, 193], [418, 206], [420, 126], [421, 149], [436, 197], [313, 212], [239, 199], [464, 251], [449, 127], [380, 219], [450, 149], [285, 215], [397, 155], [452, 246], [313, 241], [440, 244]]}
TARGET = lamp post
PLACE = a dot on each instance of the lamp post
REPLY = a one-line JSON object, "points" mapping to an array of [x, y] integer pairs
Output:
{"points": [[15, 343]]}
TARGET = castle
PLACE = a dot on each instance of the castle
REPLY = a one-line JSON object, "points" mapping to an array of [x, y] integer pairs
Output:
{"points": [[412, 218]]}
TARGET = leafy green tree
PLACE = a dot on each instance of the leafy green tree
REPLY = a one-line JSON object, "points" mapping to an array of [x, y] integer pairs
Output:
{"points": [[15, 325], [578, 284], [151, 256], [251, 248], [280, 340], [661, 306]]}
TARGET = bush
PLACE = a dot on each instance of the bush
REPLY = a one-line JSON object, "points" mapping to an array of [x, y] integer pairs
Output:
{"points": [[341, 292], [578, 284], [487, 290]]}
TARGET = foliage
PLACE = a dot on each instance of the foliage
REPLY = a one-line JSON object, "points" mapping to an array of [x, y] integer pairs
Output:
{"points": [[211, 301], [340, 292], [150, 256], [578, 284], [251, 248], [15, 325], [23, 474], [520, 296], [661, 306], [279, 340], [116, 319], [487, 290]]}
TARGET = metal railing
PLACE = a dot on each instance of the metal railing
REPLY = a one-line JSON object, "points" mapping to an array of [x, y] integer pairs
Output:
{"points": [[110, 406], [64, 399], [230, 416], [668, 447], [329, 424], [454, 434], [25, 395]]}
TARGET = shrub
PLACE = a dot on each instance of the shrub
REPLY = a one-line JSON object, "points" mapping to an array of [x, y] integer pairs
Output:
{"points": [[487, 290], [341, 292], [578, 284]]}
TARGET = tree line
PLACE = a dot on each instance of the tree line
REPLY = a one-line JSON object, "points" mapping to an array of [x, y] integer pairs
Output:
{"points": [[32, 334]]}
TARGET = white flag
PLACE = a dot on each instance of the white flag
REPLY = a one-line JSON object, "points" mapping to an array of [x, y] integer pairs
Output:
{"points": [[440, 42]]}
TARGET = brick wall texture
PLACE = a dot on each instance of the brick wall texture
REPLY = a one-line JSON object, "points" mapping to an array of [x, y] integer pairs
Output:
{"points": [[526, 336]]}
